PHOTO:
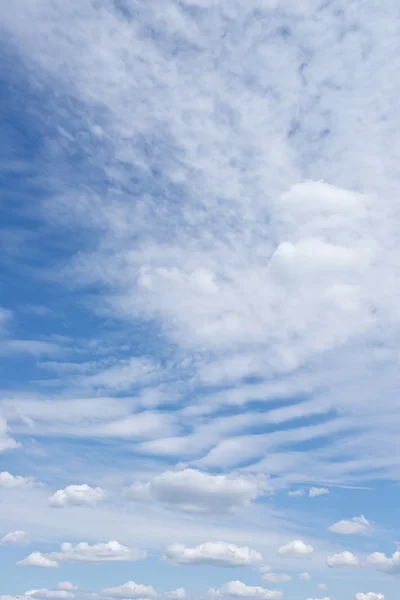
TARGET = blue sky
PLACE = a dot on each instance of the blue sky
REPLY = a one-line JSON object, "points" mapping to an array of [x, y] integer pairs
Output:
{"points": [[199, 315]]}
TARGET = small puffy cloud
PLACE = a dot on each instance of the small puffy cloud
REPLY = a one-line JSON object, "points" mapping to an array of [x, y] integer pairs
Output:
{"points": [[13, 481], [67, 585], [130, 591], [352, 526], [342, 559], [37, 559], [219, 554], [15, 538], [177, 594], [196, 491], [238, 589], [296, 548], [305, 576], [322, 586], [276, 577], [369, 596], [296, 493], [389, 564], [76, 495], [314, 492]]}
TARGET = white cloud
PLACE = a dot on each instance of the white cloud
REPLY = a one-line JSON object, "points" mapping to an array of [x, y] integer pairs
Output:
{"points": [[45, 594], [314, 492], [124, 375], [193, 490], [76, 495], [83, 552], [67, 585], [324, 598], [322, 586], [296, 493], [130, 590], [238, 589], [37, 559], [388, 564], [296, 548], [6, 442], [352, 526], [15, 538], [177, 594], [342, 559], [12, 481], [305, 576], [98, 553], [218, 554], [369, 596], [276, 577]]}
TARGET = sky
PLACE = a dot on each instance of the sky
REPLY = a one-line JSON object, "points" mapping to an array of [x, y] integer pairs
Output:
{"points": [[199, 300]]}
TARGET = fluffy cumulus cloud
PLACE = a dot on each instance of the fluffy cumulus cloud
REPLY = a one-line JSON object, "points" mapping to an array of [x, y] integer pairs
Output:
{"points": [[238, 589], [342, 559], [37, 559], [305, 576], [15, 538], [296, 548], [369, 596], [9, 481], [353, 526], [389, 564], [193, 490], [76, 495], [218, 554], [83, 552], [130, 591]]}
